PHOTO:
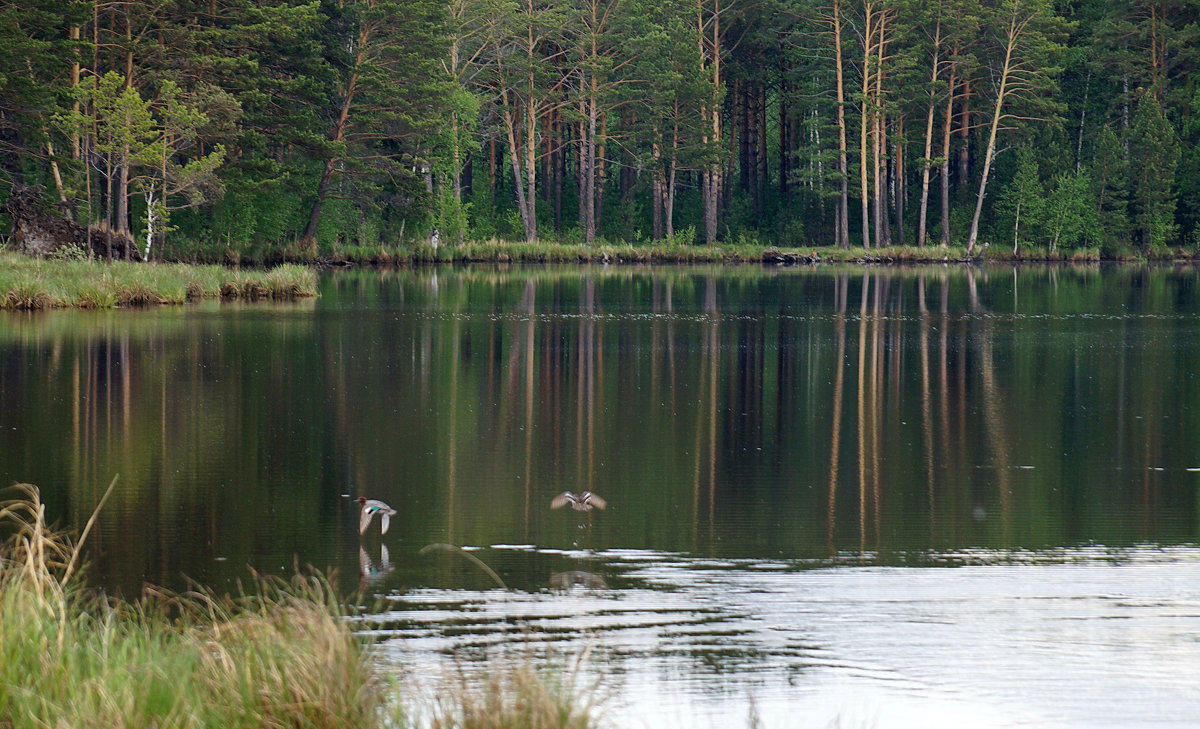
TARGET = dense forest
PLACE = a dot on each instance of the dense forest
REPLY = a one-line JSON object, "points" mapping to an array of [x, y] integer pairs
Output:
{"points": [[193, 125]]}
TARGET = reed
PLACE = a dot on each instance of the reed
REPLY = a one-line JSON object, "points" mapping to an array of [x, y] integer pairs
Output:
{"points": [[516, 698], [496, 250], [29, 283], [291, 281]]}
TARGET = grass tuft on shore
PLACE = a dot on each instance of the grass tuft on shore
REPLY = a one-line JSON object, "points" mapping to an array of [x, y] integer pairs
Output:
{"points": [[30, 283], [280, 657]]}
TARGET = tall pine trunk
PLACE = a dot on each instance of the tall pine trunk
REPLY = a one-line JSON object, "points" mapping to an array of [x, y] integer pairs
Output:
{"points": [[878, 144], [964, 131], [1013, 33], [864, 126], [337, 135], [927, 158], [843, 212], [711, 179], [945, 170], [898, 173]]}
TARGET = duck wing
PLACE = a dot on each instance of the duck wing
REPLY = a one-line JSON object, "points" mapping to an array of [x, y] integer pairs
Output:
{"points": [[364, 519], [594, 500], [385, 520], [562, 500]]}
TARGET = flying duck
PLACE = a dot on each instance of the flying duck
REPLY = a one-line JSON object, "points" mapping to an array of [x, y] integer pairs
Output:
{"points": [[579, 502], [371, 507]]}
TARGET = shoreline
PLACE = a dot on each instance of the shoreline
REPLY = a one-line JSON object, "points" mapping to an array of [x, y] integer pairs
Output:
{"points": [[28, 283], [499, 251]]}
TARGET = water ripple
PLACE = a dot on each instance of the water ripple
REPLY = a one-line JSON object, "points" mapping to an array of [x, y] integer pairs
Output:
{"points": [[1080, 637]]}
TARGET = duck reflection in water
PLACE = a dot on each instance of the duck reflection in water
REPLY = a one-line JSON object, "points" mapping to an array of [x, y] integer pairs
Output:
{"points": [[585, 501], [370, 571], [566, 580]]}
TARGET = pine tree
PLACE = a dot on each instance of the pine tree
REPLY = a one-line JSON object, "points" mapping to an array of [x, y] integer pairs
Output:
{"points": [[387, 98], [518, 71], [1026, 34], [670, 88]]}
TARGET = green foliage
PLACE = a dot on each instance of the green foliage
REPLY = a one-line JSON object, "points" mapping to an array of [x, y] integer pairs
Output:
{"points": [[387, 98], [1188, 174], [369, 119], [138, 141], [1023, 200], [685, 237], [35, 55], [1110, 188], [251, 212], [1153, 143], [1071, 215], [451, 216], [70, 252]]}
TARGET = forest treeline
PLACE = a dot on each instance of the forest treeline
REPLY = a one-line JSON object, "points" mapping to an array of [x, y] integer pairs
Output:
{"points": [[323, 125]]}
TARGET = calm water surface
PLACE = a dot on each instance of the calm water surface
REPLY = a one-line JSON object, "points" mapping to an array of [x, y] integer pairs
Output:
{"points": [[931, 497]]}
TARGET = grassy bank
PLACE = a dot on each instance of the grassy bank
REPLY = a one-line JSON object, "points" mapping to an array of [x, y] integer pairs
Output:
{"points": [[33, 283], [551, 251], [280, 657], [545, 251]]}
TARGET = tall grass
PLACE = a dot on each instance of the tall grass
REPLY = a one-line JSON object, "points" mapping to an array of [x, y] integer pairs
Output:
{"points": [[516, 698], [279, 657], [30, 283], [547, 251]]}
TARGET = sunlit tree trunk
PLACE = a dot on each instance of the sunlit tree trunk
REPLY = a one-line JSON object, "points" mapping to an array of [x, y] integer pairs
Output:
{"points": [[1016, 25], [944, 172], [927, 159], [864, 123], [843, 214], [878, 144], [710, 59]]}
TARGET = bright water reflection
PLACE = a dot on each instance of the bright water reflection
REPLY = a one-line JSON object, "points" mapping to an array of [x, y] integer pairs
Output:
{"points": [[786, 453], [1073, 638]]}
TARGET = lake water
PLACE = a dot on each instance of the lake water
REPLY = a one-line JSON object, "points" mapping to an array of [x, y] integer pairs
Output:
{"points": [[927, 497]]}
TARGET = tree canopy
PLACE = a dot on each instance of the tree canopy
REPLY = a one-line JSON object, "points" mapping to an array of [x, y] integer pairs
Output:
{"points": [[326, 124]]}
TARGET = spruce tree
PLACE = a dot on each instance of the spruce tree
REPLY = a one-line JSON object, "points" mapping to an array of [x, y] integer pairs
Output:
{"points": [[1110, 188], [36, 55], [1154, 155]]}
